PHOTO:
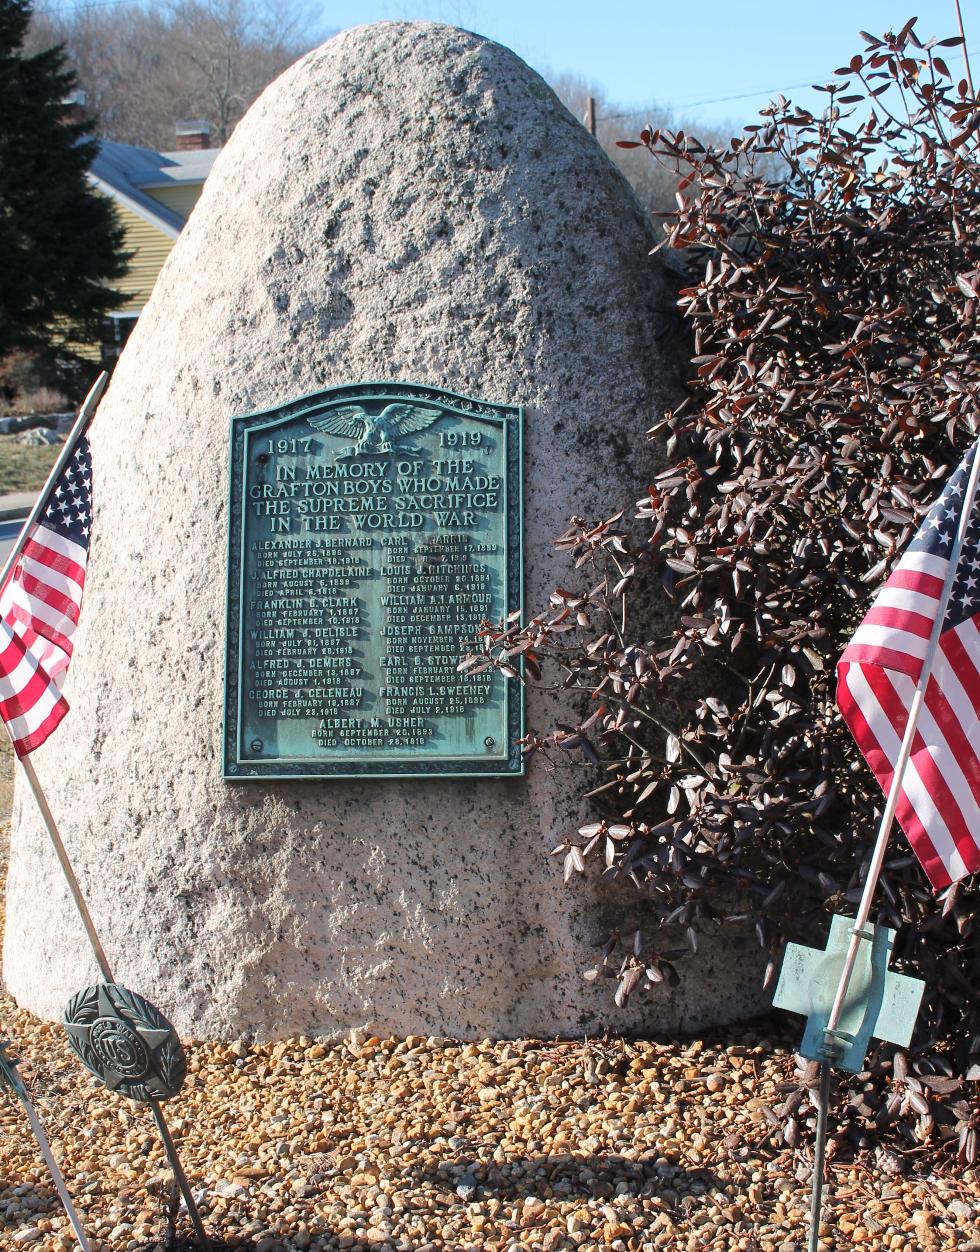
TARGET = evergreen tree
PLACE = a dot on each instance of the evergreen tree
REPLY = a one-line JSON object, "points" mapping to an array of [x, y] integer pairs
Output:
{"points": [[60, 243]]}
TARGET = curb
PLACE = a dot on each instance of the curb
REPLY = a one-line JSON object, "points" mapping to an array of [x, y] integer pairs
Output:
{"points": [[14, 515]]}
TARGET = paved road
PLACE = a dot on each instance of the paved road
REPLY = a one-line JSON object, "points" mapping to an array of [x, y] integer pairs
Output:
{"points": [[16, 504], [9, 530], [14, 508]]}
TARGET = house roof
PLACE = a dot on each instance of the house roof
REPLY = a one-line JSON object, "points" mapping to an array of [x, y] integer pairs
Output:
{"points": [[126, 172]]}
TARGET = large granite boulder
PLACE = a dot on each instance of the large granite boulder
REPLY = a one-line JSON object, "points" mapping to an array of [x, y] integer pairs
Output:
{"points": [[408, 202]]}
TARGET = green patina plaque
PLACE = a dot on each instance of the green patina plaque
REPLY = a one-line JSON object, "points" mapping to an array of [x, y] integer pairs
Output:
{"points": [[373, 527]]}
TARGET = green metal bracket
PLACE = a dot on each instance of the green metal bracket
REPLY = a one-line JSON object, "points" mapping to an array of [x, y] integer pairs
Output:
{"points": [[879, 1002]]}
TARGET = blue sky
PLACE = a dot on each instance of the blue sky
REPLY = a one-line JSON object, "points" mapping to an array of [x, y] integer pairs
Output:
{"points": [[691, 55], [713, 62]]}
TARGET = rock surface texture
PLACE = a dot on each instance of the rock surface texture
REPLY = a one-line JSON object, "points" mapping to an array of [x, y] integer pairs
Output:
{"points": [[408, 202]]}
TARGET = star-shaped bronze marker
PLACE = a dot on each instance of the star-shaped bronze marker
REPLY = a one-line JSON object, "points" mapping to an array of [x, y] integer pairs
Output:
{"points": [[127, 1043]]}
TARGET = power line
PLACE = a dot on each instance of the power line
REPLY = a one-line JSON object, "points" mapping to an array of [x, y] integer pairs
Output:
{"points": [[770, 91], [696, 104]]}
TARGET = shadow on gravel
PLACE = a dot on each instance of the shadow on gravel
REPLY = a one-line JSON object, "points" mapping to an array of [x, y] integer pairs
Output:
{"points": [[186, 1243], [568, 1177]]}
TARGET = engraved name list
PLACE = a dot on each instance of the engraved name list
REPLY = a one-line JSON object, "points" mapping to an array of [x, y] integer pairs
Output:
{"points": [[373, 529]]}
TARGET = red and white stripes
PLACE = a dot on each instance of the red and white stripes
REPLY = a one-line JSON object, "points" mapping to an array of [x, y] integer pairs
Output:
{"points": [[939, 804], [39, 609]]}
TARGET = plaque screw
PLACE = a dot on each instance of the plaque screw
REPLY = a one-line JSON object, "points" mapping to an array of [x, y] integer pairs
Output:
{"points": [[489, 742], [256, 745]]}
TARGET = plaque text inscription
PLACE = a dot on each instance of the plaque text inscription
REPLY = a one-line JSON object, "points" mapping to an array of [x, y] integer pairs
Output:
{"points": [[373, 527]]}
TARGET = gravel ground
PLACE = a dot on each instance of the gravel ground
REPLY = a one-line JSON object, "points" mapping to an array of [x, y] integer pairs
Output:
{"points": [[421, 1144]]}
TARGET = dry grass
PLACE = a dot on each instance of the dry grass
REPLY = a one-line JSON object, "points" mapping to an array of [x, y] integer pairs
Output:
{"points": [[23, 468], [36, 400]]}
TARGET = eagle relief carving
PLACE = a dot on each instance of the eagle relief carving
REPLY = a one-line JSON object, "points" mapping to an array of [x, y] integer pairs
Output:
{"points": [[375, 433]]}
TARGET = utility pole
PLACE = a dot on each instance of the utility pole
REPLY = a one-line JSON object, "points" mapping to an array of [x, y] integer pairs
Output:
{"points": [[590, 116], [966, 55]]}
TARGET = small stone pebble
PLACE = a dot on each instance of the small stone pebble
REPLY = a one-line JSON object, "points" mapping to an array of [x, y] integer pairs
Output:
{"points": [[429, 1145]]}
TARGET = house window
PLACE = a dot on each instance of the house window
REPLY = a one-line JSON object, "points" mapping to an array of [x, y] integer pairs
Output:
{"points": [[117, 330]]}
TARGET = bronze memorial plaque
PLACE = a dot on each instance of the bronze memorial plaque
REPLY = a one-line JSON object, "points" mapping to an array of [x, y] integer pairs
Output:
{"points": [[373, 527]]}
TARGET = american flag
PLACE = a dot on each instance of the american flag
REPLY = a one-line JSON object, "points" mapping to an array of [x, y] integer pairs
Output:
{"points": [[939, 802], [39, 607]]}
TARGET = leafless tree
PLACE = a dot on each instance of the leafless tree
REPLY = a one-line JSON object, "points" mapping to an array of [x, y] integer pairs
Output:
{"points": [[143, 67], [655, 183]]}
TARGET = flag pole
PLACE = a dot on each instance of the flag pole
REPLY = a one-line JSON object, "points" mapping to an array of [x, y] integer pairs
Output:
{"points": [[55, 1172], [85, 414], [168, 1143], [833, 1046], [8, 1074], [84, 417], [819, 1156], [66, 868], [858, 931]]}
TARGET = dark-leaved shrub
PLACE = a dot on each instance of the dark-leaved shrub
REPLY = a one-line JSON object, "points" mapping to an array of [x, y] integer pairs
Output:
{"points": [[833, 313]]}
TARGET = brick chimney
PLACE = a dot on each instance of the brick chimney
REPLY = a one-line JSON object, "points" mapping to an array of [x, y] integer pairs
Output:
{"points": [[193, 136]]}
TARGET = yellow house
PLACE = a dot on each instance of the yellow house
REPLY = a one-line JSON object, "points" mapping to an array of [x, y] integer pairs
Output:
{"points": [[153, 193]]}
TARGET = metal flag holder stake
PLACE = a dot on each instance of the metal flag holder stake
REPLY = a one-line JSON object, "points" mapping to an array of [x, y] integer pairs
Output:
{"points": [[123, 1043], [868, 1000], [879, 1002], [9, 1077], [131, 1047]]}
